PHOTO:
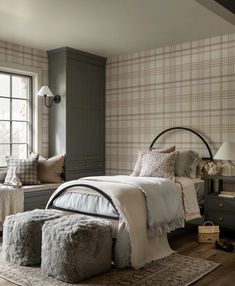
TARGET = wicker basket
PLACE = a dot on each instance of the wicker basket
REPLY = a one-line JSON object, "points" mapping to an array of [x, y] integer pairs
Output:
{"points": [[208, 232]]}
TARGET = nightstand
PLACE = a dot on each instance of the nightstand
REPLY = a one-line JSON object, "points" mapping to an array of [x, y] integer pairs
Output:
{"points": [[219, 208]]}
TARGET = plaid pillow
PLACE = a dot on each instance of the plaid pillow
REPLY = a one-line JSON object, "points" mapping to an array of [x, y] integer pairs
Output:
{"points": [[26, 170]]}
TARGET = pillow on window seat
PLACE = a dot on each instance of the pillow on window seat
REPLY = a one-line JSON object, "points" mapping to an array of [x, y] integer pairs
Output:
{"points": [[25, 169], [50, 170]]}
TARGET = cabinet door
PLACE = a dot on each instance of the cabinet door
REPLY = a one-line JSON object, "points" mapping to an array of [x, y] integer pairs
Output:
{"points": [[85, 111], [77, 84]]}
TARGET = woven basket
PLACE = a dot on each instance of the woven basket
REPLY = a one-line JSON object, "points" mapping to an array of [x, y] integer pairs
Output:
{"points": [[208, 232]]}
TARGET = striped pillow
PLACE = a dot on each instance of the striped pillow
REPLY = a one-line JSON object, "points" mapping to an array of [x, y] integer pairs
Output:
{"points": [[26, 170]]}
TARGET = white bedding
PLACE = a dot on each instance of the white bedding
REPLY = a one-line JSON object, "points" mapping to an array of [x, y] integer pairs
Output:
{"points": [[149, 207]]}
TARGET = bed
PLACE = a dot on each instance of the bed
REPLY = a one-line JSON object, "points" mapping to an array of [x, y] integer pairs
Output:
{"points": [[142, 209]]}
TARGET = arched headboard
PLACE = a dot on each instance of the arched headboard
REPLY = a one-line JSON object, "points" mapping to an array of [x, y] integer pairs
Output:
{"points": [[187, 129]]}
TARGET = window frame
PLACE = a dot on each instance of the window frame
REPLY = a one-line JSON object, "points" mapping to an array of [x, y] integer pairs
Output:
{"points": [[29, 137]]}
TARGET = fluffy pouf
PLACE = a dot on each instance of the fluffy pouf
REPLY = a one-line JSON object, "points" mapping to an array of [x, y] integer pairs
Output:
{"points": [[76, 247], [22, 236]]}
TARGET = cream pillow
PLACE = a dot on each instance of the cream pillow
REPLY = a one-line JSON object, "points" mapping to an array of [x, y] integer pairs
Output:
{"points": [[138, 164], [50, 170], [155, 164]]}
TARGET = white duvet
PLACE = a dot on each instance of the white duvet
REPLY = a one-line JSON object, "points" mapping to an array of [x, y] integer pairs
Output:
{"points": [[150, 207]]}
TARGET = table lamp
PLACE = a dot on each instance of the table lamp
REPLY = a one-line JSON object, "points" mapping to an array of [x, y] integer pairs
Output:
{"points": [[226, 153]]}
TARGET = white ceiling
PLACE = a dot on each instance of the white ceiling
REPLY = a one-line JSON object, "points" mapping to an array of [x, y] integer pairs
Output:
{"points": [[107, 27]]}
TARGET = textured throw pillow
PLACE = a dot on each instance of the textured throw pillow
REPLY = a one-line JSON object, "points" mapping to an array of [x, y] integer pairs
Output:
{"points": [[195, 165], [155, 164], [50, 170], [26, 170], [184, 162], [138, 164]]}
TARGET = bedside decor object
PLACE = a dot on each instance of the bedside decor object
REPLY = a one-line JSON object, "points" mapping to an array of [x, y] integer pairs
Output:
{"points": [[46, 93], [226, 152], [208, 232], [213, 168]]}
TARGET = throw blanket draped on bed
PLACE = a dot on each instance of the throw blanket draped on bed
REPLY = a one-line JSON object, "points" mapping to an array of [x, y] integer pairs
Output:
{"points": [[163, 200], [148, 206]]}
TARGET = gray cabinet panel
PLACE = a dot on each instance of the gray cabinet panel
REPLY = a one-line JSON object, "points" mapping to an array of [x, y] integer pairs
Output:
{"points": [[82, 132]]}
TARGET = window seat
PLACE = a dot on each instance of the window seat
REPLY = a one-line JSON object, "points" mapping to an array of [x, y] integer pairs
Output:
{"points": [[36, 196]]}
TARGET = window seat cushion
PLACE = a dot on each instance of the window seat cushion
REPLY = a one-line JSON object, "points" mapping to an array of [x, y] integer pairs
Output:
{"points": [[41, 187]]}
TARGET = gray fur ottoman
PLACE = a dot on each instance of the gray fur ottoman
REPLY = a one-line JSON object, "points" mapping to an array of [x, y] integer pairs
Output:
{"points": [[76, 247], [22, 236]]}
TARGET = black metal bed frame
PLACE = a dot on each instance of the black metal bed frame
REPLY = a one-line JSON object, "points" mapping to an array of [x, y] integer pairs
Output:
{"points": [[187, 129], [50, 205]]}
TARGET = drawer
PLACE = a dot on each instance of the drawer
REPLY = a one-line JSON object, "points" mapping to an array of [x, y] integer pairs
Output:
{"points": [[221, 204], [223, 219], [83, 165]]}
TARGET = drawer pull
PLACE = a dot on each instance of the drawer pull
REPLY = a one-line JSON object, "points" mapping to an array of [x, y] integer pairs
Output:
{"points": [[221, 219], [74, 166], [221, 205]]}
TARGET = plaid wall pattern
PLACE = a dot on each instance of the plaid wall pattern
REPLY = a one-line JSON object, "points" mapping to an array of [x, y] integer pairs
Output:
{"points": [[190, 84], [29, 57]]}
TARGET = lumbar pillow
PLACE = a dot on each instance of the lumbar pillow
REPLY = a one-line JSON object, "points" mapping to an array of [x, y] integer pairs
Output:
{"points": [[138, 164], [50, 170], [25, 169], [184, 163], [155, 164]]}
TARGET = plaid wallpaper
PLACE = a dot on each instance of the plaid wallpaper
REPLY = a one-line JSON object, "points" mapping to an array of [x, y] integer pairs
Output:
{"points": [[190, 84], [29, 57]]}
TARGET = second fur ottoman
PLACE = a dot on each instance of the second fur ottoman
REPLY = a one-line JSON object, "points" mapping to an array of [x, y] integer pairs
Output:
{"points": [[22, 236], [76, 247]]}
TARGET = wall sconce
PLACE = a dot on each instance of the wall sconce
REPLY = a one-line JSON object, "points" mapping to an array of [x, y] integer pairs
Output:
{"points": [[46, 93]]}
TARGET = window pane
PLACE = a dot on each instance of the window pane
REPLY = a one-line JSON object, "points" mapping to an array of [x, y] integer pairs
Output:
{"points": [[4, 85], [19, 109], [4, 108], [20, 87], [19, 132], [4, 132], [19, 150], [4, 151]]}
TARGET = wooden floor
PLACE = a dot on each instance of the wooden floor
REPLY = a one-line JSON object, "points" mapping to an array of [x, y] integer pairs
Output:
{"points": [[186, 244]]}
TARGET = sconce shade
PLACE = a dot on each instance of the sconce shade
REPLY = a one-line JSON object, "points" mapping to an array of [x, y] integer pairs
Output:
{"points": [[226, 152], [45, 90]]}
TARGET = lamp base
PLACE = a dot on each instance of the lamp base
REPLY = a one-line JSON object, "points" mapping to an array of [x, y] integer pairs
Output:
{"points": [[228, 169]]}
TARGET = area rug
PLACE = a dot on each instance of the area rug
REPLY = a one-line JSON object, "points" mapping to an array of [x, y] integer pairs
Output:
{"points": [[174, 270]]}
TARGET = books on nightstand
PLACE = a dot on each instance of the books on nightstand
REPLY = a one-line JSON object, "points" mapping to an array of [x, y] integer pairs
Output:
{"points": [[227, 194]]}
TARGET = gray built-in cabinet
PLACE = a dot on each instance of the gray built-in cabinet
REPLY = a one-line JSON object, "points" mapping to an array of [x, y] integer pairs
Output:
{"points": [[77, 123]]}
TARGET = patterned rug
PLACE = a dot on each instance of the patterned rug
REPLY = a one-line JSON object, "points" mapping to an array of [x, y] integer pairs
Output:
{"points": [[174, 270]]}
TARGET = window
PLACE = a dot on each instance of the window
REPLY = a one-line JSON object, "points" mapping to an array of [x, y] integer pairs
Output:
{"points": [[15, 115]]}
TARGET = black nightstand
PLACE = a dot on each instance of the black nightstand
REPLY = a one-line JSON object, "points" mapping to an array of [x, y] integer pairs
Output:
{"points": [[220, 210]]}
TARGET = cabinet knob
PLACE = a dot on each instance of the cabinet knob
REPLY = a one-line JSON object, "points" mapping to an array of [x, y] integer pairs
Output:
{"points": [[74, 166], [221, 219], [221, 205]]}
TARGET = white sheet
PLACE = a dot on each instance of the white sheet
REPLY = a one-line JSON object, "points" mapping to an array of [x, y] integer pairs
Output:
{"points": [[129, 196]]}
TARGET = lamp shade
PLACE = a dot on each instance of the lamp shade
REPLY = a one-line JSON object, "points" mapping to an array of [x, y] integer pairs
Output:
{"points": [[226, 152], [45, 90]]}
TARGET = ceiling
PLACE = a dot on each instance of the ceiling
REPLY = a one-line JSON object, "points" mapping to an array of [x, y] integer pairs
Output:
{"points": [[107, 27]]}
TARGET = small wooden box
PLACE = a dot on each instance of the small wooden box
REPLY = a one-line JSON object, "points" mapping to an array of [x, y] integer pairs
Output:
{"points": [[208, 232]]}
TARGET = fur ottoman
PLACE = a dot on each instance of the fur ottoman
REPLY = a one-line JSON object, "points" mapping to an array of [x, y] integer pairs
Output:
{"points": [[22, 236], [76, 247]]}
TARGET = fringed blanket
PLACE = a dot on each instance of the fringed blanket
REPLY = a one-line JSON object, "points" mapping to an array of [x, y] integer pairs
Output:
{"points": [[11, 202]]}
